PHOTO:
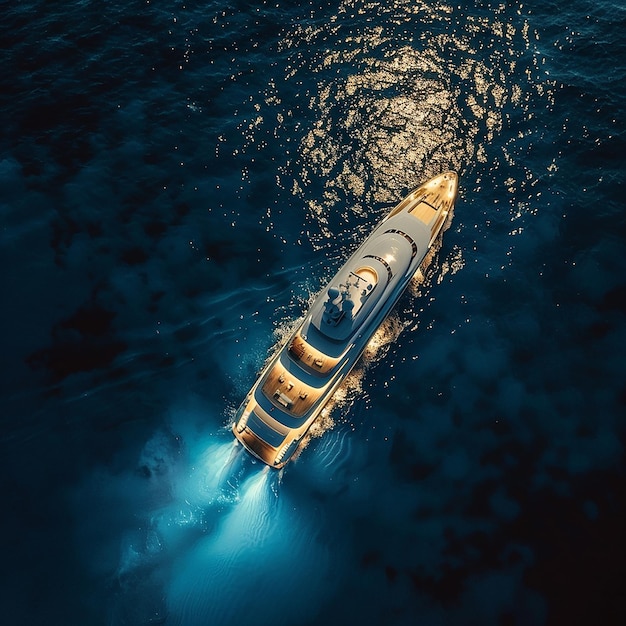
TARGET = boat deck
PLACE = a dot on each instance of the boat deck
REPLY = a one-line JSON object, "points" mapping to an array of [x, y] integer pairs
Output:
{"points": [[423, 212], [288, 393], [311, 359]]}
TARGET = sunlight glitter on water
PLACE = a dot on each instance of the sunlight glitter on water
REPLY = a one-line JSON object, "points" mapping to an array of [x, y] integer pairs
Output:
{"points": [[392, 106]]}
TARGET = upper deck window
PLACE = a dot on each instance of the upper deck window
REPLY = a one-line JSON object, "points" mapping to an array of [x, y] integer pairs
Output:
{"points": [[382, 262], [407, 237]]}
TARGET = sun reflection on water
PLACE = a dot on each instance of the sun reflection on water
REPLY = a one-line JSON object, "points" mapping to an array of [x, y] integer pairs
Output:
{"points": [[387, 106]]}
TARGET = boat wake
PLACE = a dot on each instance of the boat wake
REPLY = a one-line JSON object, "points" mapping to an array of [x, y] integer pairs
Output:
{"points": [[333, 451], [211, 501], [262, 536]]}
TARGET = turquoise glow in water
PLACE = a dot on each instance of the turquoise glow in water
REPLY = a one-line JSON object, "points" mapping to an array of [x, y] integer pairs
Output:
{"points": [[178, 180]]}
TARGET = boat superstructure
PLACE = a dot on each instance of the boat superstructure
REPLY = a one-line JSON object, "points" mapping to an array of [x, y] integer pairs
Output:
{"points": [[292, 390]]}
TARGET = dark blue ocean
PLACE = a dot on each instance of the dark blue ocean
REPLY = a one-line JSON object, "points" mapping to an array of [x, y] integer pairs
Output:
{"points": [[178, 180]]}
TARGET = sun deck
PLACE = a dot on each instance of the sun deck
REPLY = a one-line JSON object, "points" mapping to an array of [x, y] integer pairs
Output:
{"points": [[288, 393], [309, 358], [424, 212]]}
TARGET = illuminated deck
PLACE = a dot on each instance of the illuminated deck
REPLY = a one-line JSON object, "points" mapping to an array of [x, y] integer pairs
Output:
{"points": [[288, 393], [311, 359], [291, 392]]}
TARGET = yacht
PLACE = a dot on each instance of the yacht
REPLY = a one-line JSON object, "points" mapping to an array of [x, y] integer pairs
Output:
{"points": [[293, 388]]}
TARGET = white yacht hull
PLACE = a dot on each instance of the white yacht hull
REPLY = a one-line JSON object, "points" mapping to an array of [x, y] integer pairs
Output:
{"points": [[294, 387]]}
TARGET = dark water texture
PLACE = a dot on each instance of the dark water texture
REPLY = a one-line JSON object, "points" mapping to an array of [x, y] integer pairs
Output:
{"points": [[178, 179]]}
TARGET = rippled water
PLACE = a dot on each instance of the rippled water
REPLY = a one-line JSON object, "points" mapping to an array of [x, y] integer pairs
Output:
{"points": [[177, 182]]}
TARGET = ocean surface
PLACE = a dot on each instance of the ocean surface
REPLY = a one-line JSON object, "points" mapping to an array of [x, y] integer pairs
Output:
{"points": [[178, 180]]}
